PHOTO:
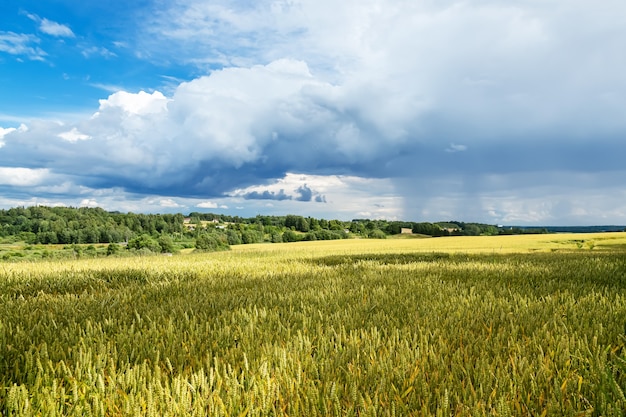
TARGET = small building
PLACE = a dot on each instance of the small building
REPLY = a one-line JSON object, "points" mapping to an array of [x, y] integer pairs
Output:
{"points": [[406, 231]]}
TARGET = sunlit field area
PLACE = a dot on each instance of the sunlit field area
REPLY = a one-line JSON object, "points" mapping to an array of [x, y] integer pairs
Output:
{"points": [[458, 326]]}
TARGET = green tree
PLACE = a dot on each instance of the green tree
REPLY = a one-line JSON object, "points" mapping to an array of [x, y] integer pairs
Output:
{"points": [[302, 225]]}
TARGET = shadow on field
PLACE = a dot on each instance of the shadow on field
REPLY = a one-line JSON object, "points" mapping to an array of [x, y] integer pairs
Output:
{"points": [[382, 258], [618, 247], [84, 282]]}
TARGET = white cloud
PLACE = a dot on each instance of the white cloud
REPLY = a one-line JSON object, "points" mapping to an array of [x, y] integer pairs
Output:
{"points": [[73, 135], [21, 44], [86, 202], [141, 103], [110, 88], [89, 51], [22, 177], [170, 203], [55, 29], [4, 132], [207, 204], [346, 197]]}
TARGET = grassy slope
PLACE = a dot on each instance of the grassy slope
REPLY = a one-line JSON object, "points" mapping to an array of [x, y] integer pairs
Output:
{"points": [[351, 327]]}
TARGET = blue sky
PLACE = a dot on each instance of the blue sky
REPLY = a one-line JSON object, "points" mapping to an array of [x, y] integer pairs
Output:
{"points": [[475, 110]]}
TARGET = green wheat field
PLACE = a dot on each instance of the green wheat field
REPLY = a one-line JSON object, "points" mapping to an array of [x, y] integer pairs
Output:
{"points": [[461, 326]]}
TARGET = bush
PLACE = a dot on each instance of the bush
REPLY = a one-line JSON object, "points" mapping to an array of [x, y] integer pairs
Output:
{"points": [[290, 236], [112, 249], [91, 251], [377, 234], [166, 243], [144, 241], [277, 237], [251, 236], [233, 237], [210, 242]]}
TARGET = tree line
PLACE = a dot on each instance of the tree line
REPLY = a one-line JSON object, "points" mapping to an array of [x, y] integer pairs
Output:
{"points": [[203, 231]]}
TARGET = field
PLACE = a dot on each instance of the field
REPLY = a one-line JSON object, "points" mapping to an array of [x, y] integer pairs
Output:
{"points": [[467, 326]]}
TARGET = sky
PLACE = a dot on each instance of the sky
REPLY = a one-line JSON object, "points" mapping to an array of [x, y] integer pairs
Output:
{"points": [[486, 111]]}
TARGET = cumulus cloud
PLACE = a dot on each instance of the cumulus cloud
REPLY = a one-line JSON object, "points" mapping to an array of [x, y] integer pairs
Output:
{"points": [[4, 132], [207, 204], [141, 103], [88, 203], [169, 203], [73, 135], [211, 205]]}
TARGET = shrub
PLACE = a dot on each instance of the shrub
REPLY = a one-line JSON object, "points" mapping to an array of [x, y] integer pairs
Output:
{"points": [[112, 249], [377, 234], [277, 237], [144, 241], [210, 242], [251, 236], [233, 237], [166, 243], [290, 236]]}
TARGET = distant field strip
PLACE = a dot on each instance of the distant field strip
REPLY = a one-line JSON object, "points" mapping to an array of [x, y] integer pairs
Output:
{"points": [[460, 244], [483, 326]]}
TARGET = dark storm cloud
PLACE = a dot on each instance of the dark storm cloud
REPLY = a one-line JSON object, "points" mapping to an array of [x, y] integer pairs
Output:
{"points": [[267, 195]]}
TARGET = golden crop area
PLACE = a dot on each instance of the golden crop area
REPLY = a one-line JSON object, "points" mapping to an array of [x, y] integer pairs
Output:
{"points": [[460, 326]]}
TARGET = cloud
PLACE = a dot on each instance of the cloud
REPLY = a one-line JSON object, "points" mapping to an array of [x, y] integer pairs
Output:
{"points": [[207, 204], [267, 195], [21, 44], [22, 177], [89, 51], [73, 135], [110, 88], [456, 148], [141, 103], [52, 28], [343, 196], [4, 132], [211, 205], [169, 203], [305, 193], [89, 203]]}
